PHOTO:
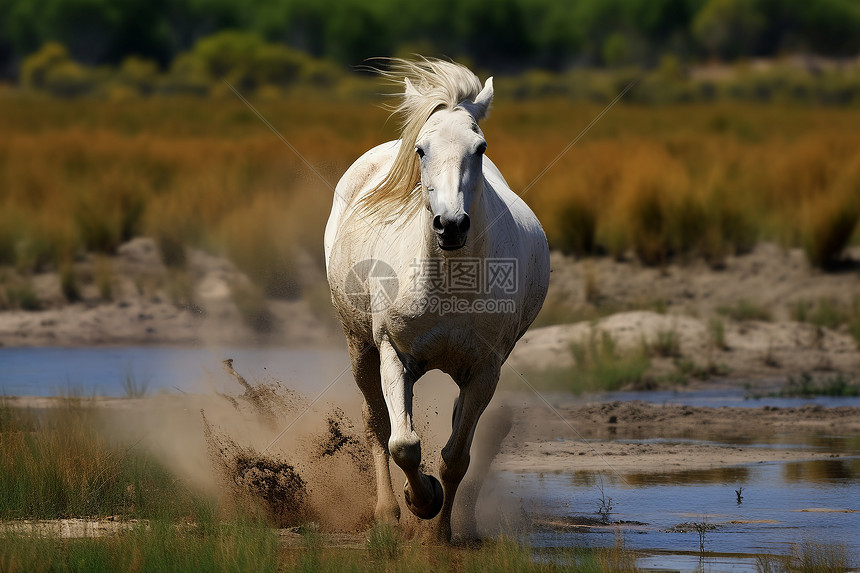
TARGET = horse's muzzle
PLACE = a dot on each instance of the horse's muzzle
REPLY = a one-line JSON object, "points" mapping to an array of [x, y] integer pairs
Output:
{"points": [[451, 232]]}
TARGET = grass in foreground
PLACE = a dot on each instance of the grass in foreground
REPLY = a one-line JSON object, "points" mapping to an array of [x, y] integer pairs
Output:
{"points": [[806, 557], [251, 547], [157, 546], [59, 462]]}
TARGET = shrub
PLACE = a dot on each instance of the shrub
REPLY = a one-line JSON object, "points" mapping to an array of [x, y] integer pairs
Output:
{"points": [[829, 225], [744, 309], [69, 282], [667, 344], [717, 332], [576, 227], [36, 67], [139, 74]]}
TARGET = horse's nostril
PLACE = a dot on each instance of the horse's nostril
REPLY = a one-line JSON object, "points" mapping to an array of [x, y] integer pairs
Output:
{"points": [[438, 225], [463, 223], [457, 225]]}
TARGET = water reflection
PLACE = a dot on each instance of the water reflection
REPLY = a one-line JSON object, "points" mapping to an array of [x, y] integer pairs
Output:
{"points": [[822, 471], [724, 475], [784, 503]]}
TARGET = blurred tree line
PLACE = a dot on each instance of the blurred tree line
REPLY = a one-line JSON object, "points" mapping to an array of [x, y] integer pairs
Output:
{"points": [[505, 35]]}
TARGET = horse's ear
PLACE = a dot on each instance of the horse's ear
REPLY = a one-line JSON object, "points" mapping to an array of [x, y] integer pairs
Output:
{"points": [[483, 100], [410, 89]]}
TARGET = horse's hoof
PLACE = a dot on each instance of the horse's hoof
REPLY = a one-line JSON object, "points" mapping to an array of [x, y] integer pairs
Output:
{"points": [[431, 509]]}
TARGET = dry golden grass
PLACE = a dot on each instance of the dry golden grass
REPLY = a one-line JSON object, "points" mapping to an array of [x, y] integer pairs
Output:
{"points": [[84, 176]]}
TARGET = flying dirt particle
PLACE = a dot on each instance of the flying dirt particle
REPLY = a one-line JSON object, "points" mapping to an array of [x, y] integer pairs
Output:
{"points": [[343, 438], [269, 402]]}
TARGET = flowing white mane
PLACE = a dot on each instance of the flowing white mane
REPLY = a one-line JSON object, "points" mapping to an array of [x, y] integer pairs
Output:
{"points": [[430, 85]]}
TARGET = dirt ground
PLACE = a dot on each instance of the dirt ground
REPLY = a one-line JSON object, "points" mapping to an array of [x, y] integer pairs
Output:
{"points": [[636, 304], [151, 304], [651, 438]]}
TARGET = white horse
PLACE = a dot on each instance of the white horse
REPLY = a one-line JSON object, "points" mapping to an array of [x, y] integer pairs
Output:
{"points": [[433, 263]]}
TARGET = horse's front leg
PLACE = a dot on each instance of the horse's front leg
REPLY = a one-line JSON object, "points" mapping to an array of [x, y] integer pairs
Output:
{"points": [[365, 369], [423, 492], [475, 394]]}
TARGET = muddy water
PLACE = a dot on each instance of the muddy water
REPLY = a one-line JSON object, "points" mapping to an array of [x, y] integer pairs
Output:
{"points": [[783, 503]]}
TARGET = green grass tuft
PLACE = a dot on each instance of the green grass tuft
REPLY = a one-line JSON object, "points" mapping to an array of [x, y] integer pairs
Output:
{"points": [[600, 365], [383, 541]]}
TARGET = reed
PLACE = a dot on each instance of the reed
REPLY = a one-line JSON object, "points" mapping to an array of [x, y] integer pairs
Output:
{"points": [[659, 183]]}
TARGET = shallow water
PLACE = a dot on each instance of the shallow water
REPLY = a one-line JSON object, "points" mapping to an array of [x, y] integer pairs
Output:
{"points": [[47, 371], [783, 503], [102, 371]]}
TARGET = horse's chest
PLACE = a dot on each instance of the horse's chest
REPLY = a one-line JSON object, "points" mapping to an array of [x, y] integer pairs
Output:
{"points": [[439, 335]]}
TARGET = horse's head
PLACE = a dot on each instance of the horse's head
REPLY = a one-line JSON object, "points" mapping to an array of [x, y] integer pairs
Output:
{"points": [[450, 148]]}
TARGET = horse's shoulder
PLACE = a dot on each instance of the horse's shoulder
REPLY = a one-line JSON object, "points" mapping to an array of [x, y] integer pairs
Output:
{"points": [[375, 158], [368, 170], [508, 200]]}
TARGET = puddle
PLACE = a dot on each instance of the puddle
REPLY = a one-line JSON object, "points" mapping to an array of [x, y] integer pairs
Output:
{"points": [[783, 503]]}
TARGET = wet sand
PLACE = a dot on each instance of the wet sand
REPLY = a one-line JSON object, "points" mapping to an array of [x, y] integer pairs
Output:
{"points": [[641, 437]]}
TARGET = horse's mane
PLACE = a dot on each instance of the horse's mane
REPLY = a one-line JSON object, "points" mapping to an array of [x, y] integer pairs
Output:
{"points": [[438, 84]]}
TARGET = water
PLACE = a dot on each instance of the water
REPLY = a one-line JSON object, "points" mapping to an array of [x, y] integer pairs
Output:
{"points": [[103, 371], [46, 371], [783, 503]]}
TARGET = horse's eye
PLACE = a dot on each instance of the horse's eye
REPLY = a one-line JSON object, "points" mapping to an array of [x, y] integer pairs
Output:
{"points": [[419, 151], [482, 147]]}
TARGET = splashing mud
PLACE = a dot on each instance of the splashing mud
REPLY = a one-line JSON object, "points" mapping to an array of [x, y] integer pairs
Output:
{"points": [[317, 472], [257, 444]]}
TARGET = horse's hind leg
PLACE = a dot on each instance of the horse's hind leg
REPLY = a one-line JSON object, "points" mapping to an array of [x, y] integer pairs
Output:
{"points": [[365, 369], [423, 493], [475, 394], [496, 423]]}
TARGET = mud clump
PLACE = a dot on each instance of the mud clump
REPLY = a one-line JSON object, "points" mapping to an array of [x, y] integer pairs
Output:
{"points": [[277, 484], [255, 482]]}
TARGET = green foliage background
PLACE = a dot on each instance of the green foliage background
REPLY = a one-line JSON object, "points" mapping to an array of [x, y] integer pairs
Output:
{"points": [[507, 35]]}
